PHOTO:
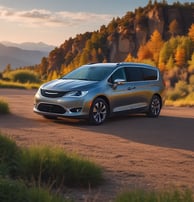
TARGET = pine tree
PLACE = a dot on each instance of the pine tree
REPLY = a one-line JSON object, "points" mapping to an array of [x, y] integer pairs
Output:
{"points": [[155, 44], [144, 53], [191, 32], [180, 57]]}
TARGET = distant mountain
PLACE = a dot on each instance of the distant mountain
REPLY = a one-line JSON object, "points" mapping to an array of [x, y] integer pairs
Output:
{"points": [[18, 57], [30, 46]]}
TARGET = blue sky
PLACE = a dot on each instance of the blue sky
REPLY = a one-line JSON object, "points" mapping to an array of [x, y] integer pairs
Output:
{"points": [[54, 21]]}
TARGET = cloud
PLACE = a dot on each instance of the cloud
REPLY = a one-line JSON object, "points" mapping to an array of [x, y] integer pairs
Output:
{"points": [[41, 17]]}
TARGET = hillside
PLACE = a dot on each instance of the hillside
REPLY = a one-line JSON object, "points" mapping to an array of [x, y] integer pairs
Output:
{"points": [[18, 57], [121, 37]]}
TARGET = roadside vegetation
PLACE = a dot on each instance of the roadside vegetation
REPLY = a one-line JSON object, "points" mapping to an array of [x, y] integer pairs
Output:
{"points": [[19, 78], [42, 173], [4, 107], [154, 196], [38, 171]]}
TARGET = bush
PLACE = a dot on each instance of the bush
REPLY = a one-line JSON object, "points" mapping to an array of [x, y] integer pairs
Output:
{"points": [[22, 76], [4, 107], [9, 84]]}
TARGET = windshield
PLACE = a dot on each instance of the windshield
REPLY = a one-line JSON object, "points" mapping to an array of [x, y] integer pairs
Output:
{"points": [[90, 73]]}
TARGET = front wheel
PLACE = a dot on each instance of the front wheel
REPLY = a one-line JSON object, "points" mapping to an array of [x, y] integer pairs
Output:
{"points": [[98, 111], [155, 106]]}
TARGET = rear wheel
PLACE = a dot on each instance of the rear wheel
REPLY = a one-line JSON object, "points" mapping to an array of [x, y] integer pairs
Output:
{"points": [[98, 111], [155, 106]]}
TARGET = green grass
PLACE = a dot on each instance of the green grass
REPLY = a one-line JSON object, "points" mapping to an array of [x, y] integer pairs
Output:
{"points": [[43, 165], [54, 167], [17, 191], [4, 107], [151, 196], [9, 156], [11, 84]]}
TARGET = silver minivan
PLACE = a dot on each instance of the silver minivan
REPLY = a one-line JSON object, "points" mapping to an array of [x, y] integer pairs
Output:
{"points": [[98, 91]]}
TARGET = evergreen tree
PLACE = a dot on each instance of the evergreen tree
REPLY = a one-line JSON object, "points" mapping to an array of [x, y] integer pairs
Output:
{"points": [[155, 44], [144, 53], [191, 32], [180, 57]]}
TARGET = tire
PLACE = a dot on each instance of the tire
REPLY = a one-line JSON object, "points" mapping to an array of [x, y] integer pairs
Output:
{"points": [[154, 107], [98, 111]]}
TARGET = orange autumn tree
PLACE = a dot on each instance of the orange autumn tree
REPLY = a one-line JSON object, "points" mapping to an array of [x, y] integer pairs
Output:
{"points": [[191, 32], [180, 57], [154, 45], [144, 53]]}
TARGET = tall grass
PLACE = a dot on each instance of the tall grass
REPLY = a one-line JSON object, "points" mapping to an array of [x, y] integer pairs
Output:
{"points": [[44, 165], [22, 76], [4, 107], [11, 84], [16, 191], [56, 168], [151, 196], [9, 156]]}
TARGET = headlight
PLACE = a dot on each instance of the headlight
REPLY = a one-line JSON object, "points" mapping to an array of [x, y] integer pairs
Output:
{"points": [[76, 93]]}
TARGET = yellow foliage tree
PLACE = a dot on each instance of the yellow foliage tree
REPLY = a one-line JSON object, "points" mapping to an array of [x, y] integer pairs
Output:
{"points": [[144, 53], [191, 32], [180, 56], [155, 44]]}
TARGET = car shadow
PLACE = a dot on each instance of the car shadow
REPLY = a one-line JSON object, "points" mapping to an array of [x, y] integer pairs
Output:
{"points": [[164, 131]]}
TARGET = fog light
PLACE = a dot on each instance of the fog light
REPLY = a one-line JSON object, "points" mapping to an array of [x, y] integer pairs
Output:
{"points": [[75, 110]]}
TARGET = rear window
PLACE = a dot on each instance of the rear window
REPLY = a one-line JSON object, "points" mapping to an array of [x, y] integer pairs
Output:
{"points": [[149, 74], [140, 74]]}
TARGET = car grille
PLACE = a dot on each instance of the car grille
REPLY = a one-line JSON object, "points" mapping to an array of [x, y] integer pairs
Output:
{"points": [[51, 108], [52, 94]]}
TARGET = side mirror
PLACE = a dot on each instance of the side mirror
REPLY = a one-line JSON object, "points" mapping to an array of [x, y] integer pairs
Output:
{"points": [[118, 82]]}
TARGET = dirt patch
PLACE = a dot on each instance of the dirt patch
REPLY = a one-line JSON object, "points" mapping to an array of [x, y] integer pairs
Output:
{"points": [[134, 151]]}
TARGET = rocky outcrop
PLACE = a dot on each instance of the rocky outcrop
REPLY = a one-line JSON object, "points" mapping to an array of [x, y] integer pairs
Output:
{"points": [[157, 18], [123, 36]]}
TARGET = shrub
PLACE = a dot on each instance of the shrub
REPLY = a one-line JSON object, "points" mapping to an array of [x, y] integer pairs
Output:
{"points": [[23, 76], [191, 79], [9, 84], [4, 107]]}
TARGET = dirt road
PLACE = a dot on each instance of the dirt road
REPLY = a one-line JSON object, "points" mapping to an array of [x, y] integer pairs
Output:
{"points": [[134, 151]]}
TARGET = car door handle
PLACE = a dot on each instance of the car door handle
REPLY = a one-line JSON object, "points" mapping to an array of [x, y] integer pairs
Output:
{"points": [[131, 88]]}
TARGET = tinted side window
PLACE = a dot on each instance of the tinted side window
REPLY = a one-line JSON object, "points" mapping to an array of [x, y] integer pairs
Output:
{"points": [[149, 74], [118, 74], [134, 74]]}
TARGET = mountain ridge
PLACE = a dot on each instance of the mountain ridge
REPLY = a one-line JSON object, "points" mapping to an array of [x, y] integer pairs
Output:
{"points": [[17, 57], [39, 46]]}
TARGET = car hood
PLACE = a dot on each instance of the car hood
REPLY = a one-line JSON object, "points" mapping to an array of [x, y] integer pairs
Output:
{"points": [[68, 85]]}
